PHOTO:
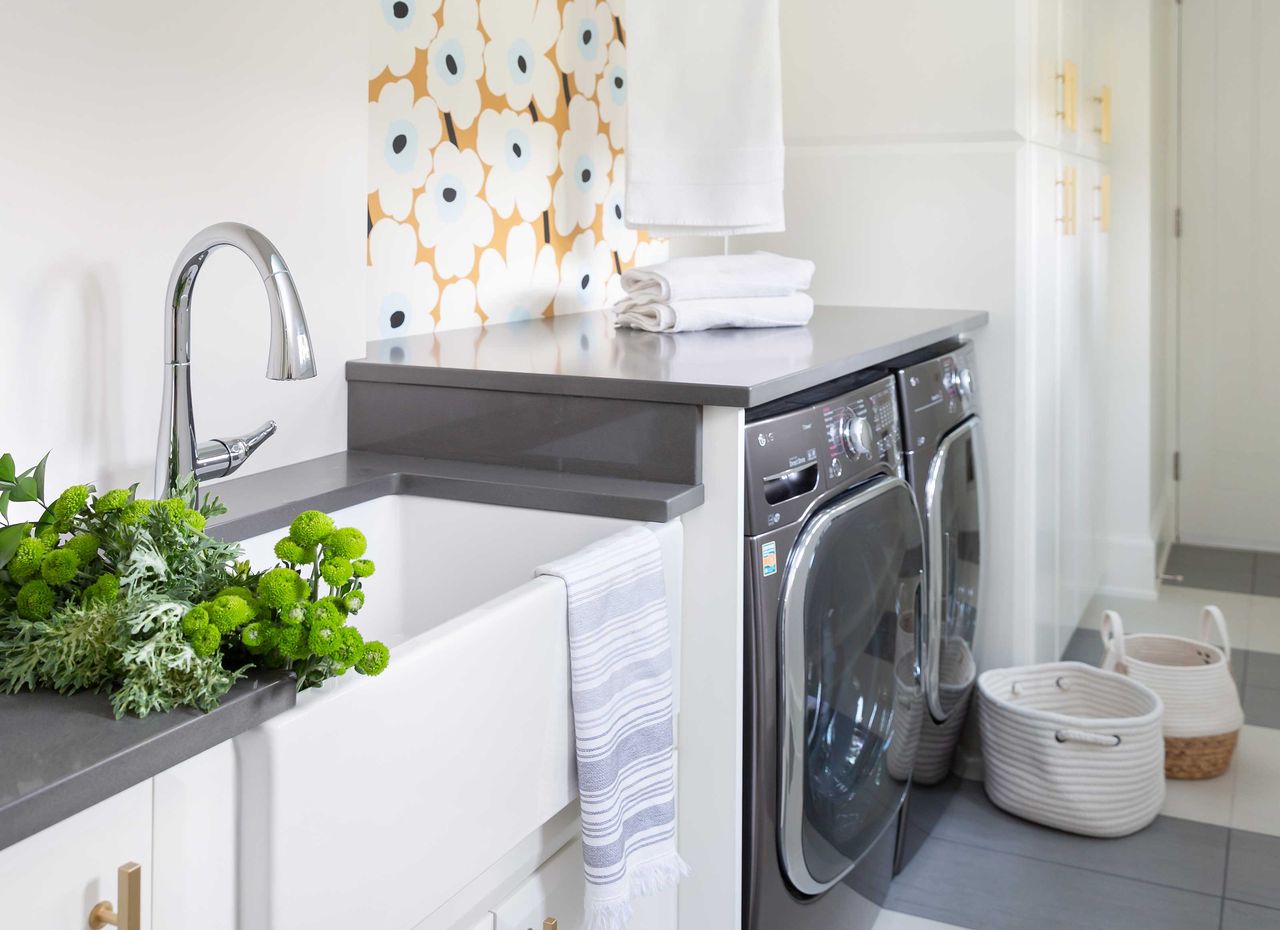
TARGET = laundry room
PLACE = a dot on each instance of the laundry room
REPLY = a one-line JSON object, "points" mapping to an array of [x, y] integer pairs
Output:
{"points": [[734, 465]]}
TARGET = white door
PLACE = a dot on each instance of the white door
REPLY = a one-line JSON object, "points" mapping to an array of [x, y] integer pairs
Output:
{"points": [[1229, 317]]}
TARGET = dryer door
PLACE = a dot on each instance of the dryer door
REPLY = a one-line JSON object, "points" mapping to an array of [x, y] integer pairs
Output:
{"points": [[954, 496], [850, 699]]}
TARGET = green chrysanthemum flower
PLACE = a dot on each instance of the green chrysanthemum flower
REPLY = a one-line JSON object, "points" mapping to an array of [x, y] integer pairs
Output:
{"points": [[324, 634], [374, 659], [85, 545], [69, 503], [26, 560], [347, 542], [175, 508], [354, 601], [35, 600], [289, 551], [291, 641], [111, 501], [205, 641], [281, 587], [336, 570], [197, 618], [228, 612], [294, 614], [50, 537], [257, 637], [348, 646], [59, 567], [324, 610], [310, 528], [103, 591], [135, 511], [255, 605], [194, 519], [363, 568]]}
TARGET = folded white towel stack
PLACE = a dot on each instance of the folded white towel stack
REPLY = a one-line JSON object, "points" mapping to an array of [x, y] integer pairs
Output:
{"points": [[716, 292], [620, 662]]}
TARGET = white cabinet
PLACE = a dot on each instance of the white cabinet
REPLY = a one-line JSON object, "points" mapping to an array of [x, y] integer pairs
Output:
{"points": [[555, 893], [54, 878]]}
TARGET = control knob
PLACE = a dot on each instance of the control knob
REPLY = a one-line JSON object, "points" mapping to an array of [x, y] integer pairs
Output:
{"points": [[858, 437], [965, 383]]}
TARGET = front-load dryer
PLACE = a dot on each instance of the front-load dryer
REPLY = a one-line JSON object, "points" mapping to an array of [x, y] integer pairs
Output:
{"points": [[942, 438], [834, 573]]}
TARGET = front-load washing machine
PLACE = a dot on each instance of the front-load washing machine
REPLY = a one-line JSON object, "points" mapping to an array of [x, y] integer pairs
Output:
{"points": [[834, 572], [942, 438]]}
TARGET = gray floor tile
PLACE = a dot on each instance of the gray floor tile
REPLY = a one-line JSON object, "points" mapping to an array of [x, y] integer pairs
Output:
{"points": [[1262, 707], [974, 887], [1267, 585], [1238, 582], [1263, 668], [1238, 916], [1253, 868], [1184, 559], [1268, 563], [1179, 853]]}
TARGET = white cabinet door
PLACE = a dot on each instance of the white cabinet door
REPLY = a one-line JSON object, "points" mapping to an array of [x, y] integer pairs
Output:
{"points": [[1097, 74], [555, 892], [50, 881], [195, 807], [1039, 523], [1047, 91]]}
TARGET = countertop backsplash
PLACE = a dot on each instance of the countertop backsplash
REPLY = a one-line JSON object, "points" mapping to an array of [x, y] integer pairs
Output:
{"points": [[496, 162]]}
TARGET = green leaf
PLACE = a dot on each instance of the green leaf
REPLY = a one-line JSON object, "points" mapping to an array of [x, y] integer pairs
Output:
{"points": [[40, 477], [26, 490], [7, 468], [10, 536], [4, 505]]}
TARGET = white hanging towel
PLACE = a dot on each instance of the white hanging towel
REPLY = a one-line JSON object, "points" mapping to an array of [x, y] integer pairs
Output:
{"points": [[683, 316], [760, 274], [704, 117], [620, 665]]}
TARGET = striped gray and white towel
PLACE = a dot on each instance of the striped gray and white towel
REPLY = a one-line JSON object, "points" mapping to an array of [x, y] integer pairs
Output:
{"points": [[620, 665]]}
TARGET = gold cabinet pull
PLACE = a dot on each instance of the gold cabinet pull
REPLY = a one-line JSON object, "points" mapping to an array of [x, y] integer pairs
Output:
{"points": [[1068, 185], [1069, 78], [550, 924], [1103, 216], [1103, 129], [128, 899]]}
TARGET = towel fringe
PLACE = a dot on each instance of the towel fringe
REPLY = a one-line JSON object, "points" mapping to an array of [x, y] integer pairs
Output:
{"points": [[648, 878]]}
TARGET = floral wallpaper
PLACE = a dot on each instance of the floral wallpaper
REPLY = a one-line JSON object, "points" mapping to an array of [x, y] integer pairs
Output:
{"points": [[496, 161]]}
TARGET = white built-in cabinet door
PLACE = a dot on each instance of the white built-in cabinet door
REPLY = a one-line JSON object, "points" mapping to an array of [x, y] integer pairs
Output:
{"points": [[1047, 97], [1039, 523], [52, 880]]}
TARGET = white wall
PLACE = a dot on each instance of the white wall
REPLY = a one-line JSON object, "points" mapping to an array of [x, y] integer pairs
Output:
{"points": [[124, 129]]}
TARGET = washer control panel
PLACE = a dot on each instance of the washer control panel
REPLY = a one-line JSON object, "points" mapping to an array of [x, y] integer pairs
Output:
{"points": [[937, 394], [795, 457]]}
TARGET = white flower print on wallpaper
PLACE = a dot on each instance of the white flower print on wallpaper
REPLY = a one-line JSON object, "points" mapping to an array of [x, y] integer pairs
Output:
{"points": [[521, 156], [402, 133], [402, 290], [496, 135], [517, 68], [398, 30]]}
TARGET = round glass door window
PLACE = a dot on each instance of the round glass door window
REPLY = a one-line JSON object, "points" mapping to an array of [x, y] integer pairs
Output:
{"points": [[851, 702]]}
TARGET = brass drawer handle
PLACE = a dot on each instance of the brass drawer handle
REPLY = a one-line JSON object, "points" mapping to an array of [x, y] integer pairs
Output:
{"points": [[129, 899], [550, 924]]}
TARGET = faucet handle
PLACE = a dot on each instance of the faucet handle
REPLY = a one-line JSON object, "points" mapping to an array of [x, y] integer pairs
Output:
{"points": [[218, 458]]}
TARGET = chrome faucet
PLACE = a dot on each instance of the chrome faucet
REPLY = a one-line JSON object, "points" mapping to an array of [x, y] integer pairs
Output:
{"points": [[179, 455]]}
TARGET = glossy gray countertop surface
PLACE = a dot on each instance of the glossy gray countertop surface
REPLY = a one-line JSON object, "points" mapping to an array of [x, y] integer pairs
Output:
{"points": [[582, 354], [60, 754]]}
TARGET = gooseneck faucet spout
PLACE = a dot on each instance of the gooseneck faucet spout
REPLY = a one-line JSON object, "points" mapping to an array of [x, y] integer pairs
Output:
{"points": [[179, 455]]}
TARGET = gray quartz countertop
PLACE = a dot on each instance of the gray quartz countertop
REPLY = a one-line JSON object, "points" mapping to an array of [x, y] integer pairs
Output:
{"points": [[581, 354], [64, 753]]}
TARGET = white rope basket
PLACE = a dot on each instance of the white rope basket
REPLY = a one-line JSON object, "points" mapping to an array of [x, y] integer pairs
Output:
{"points": [[921, 748], [1072, 747], [1192, 677]]}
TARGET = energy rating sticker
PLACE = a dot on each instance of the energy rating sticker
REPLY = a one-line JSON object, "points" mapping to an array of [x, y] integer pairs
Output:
{"points": [[769, 555]]}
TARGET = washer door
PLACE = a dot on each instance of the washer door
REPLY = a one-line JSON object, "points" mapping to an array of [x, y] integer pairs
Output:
{"points": [[954, 496], [853, 577]]}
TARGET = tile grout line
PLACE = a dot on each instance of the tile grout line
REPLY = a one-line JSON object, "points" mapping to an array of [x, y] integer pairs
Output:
{"points": [[1082, 868], [1226, 871]]}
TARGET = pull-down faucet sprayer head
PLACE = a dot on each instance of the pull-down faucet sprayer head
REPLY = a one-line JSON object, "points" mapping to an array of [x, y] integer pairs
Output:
{"points": [[290, 357]]}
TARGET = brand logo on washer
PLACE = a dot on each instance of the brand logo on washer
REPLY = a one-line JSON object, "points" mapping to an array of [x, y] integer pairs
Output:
{"points": [[769, 559]]}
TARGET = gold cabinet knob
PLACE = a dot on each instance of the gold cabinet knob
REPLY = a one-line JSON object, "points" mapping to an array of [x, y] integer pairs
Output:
{"points": [[128, 899], [550, 924]]}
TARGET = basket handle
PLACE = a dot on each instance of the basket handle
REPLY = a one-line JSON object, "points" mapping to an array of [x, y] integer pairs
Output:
{"points": [[1084, 736], [1213, 615], [1112, 640]]}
